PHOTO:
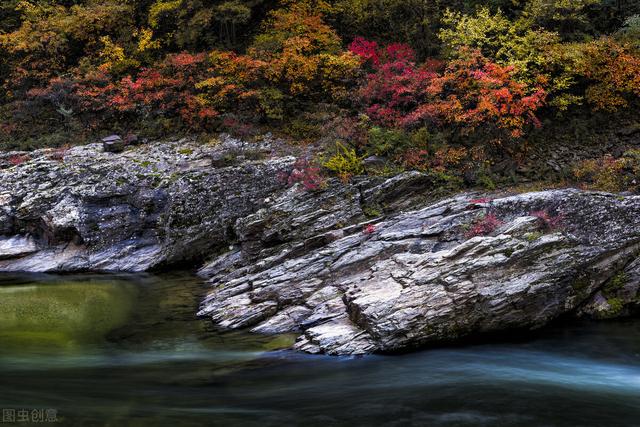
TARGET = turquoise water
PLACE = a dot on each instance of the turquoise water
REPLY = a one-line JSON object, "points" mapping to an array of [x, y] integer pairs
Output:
{"points": [[127, 350]]}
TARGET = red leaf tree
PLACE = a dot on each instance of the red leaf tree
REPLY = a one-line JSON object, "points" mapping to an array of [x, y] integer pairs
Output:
{"points": [[468, 93]]}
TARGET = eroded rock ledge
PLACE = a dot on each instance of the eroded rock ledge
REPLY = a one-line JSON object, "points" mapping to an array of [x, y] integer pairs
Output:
{"points": [[148, 207], [372, 266], [418, 277]]}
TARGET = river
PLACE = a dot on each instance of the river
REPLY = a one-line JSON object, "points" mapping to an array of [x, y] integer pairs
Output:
{"points": [[120, 350]]}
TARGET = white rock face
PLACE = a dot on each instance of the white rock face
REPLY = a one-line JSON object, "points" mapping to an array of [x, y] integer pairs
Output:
{"points": [[418, 277], [16, 246]]}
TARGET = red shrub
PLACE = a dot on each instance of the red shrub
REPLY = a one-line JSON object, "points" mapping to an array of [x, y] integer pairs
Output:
{"points": [[58, 153], [18, 159], [306, 173], [238, 128], [168, 88], [480, 201], [371, 54], [369, 229], [469, 93], [416, 158], [366, 49], [484, 226], [549, 222]]}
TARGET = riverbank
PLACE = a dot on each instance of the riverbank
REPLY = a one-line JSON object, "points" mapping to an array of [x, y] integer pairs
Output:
{"points": [[377, 264]]}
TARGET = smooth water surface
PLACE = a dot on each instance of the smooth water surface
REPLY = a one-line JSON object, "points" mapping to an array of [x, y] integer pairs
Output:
{"points": [[127, 350]]}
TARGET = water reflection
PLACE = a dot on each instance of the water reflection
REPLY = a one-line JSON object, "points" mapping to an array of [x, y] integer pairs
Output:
{"points": [[126, 350], [59, 313]]}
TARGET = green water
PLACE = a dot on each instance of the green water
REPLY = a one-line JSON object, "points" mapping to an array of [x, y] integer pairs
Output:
{"points": [[127, 351], [63, 315]]}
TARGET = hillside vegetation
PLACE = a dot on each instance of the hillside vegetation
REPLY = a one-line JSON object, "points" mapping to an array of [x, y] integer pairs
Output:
{"points": [[452, 87]]}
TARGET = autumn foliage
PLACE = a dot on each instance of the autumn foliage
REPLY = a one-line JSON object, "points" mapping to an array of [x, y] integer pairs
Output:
{"points": [[613, 69], [469, 93], [296, 59], [306, 173], [426, 84], [167, 89]]}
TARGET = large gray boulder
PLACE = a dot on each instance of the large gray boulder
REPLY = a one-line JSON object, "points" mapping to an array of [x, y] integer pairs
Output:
{"points": [[453, 268]]}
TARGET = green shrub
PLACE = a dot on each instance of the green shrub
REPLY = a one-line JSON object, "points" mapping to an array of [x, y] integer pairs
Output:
{"points": [[387, 142], [345, 162], [271, 102]]}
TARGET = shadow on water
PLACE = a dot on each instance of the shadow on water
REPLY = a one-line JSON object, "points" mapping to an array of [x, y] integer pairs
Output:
{"points": [[127, 350]]}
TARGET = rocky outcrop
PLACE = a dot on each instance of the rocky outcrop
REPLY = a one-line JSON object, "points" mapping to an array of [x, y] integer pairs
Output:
{"points": [[457, 267], [86, 209], [166, 203], [376, 265]]}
